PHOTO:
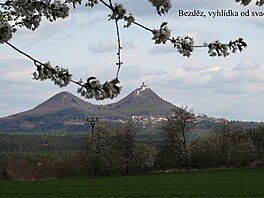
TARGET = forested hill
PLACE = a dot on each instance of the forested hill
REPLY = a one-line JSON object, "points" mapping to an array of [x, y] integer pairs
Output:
{"points": [[66, 112], [142, 101]]}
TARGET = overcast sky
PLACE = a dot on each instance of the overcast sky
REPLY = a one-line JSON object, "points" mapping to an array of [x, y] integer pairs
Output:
{"points": [[231, 87]]}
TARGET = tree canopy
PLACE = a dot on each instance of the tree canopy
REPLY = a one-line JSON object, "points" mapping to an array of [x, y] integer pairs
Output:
{"points": [[15, 14]]}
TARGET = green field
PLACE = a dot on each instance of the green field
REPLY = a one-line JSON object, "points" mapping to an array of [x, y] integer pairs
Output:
{"points": [[221, 183]]}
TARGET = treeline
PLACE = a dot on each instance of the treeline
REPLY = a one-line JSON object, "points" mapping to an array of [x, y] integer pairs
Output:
{"points": [[228, 145], [29, 142], [36, 165], [110, 150], [116, 150]]}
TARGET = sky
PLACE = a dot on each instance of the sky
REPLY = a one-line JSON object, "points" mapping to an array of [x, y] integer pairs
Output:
{"points": [[85, 42]]}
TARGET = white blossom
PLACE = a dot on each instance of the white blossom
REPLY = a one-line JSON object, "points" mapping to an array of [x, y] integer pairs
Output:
{"points": [[5, 32], [162, 6]]}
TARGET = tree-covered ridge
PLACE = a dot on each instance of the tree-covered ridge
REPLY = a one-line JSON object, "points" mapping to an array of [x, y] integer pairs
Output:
{"points": [[66, 112]]}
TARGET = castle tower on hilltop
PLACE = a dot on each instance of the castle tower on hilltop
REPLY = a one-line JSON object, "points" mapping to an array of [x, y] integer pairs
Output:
{"points": [[141, 88]]}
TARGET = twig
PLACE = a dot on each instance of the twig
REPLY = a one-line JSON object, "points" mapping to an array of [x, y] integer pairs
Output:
{"points": [[111, 5], [25, 54], [103, 2], [200, 45], [142, 26], [36, 61], [119, 63]]}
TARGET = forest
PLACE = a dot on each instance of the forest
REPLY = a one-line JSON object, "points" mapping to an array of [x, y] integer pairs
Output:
{"points": [[118, 149]]}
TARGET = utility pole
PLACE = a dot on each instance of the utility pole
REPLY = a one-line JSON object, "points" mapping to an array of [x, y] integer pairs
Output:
{"points": [[92, 122]]}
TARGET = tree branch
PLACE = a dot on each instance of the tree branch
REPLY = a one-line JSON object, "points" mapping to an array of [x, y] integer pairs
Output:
{"points": [[23, 53], [109, 6], [142, 26], [92, 88], [36, 61], [119, 63]]}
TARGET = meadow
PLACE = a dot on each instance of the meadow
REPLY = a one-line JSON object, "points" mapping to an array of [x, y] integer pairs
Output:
{"points": [[207, 183]]}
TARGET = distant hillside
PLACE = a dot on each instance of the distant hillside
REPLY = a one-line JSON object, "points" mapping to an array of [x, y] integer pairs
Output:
{"points": [[143, 101], [66, 112], [61, 102]]}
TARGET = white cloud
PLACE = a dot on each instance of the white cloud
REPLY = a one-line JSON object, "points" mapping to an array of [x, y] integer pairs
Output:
{"points": [[102, 46], [194, 66], [143, 8], [110, 46], [45, 31], [217, 86], [229, 93], [224, 76], [129, 45], [204, 36], [247, 65], [15, 69], [93, 21], [258, 21], [18, 91], [245, 78], [162, 49], [202, 4]]}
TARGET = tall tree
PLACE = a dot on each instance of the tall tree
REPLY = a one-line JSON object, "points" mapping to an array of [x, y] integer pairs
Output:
{"points": [[176, 131], [102, 149], [114, 148], [124, 146]]}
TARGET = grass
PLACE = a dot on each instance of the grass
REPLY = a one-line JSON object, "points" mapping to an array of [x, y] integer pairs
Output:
{"points": [[221, 183]]}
